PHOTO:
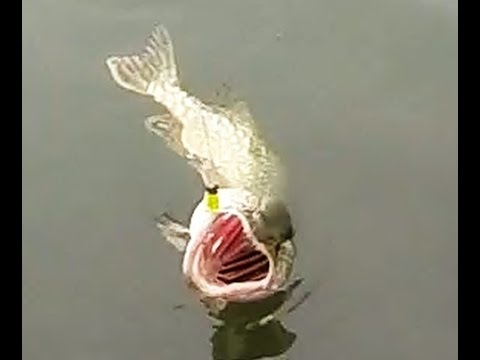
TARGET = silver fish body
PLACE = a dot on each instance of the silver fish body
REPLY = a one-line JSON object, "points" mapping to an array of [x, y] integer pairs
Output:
{"points": [[227, 149], [223, 144]]}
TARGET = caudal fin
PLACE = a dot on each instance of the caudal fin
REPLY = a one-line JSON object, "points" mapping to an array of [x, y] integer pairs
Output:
{"points": [[143, 72]]}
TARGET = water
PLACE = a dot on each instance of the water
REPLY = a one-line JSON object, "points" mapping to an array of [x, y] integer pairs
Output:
{"points": [[360, 98]]}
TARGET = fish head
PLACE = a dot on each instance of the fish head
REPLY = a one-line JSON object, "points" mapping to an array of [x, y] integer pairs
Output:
{"points": [[225, 257]]}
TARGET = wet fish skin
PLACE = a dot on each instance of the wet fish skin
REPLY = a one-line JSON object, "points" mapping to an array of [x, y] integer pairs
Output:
{"points": [[223, 144]]}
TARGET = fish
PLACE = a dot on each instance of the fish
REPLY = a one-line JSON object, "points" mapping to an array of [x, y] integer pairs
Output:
{"points": [[238, 246]]}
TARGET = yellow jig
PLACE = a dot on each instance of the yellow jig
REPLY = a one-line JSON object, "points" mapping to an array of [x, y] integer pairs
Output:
{"points": [[213, 202]]}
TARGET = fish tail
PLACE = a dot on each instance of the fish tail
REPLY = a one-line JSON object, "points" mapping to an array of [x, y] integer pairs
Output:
{"points": [[151, 72]]}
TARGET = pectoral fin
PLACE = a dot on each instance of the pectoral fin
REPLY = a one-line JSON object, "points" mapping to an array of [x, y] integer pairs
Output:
{"points": [[169, 128], [174, 232]]}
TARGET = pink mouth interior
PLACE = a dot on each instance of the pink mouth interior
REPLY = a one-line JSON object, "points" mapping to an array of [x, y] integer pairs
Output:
{"points": [[228, 254]]}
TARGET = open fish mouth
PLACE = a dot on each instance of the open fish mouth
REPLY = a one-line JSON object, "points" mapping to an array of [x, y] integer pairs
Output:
{"points": [[229, 255], [227, 260]]}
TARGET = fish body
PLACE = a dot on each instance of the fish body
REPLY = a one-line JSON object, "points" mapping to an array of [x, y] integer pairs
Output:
{"points": [[251, 227]]}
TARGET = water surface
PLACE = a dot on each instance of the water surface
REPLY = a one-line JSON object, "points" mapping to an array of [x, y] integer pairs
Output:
{"points": [[360, 98]]}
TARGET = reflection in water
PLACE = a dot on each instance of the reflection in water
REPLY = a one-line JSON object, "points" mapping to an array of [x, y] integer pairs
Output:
{"points": [[237, 343], [246, 331]]}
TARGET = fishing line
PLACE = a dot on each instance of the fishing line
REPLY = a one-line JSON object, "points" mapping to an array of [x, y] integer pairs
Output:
{"points": [[212, 199]]}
